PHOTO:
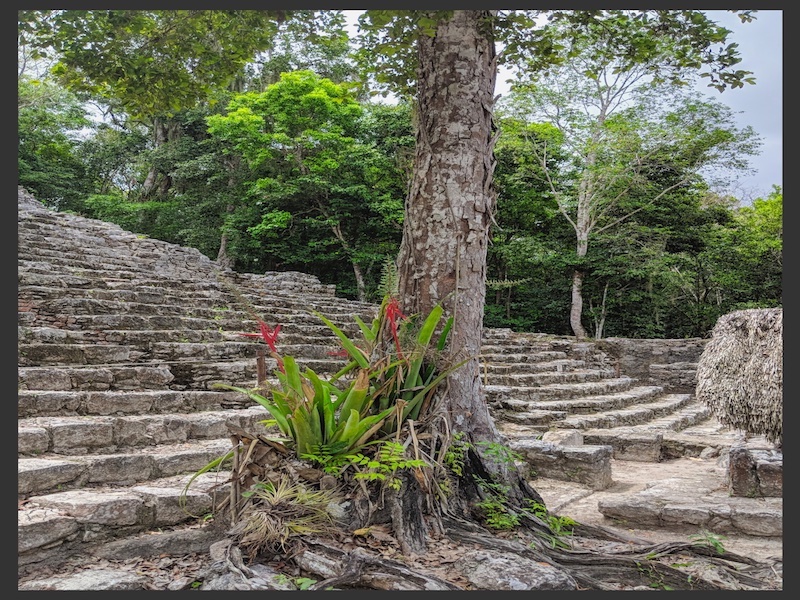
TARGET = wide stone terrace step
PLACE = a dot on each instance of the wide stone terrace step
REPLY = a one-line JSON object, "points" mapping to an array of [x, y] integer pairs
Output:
{"points": [[140, 329], [108, 434], [46, 286], [688, 432], [200, 310], [64, 522], [497, 393], [513, 352], [632, 415], [107, 354], [535, 365], [105, 326], [582, 405], [542, 378], [176, 375], [168, 342], [43, 403], [37, 475]]}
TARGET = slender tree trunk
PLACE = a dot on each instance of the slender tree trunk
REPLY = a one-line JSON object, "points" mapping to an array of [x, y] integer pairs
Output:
{"points": [[448, 212], [361, 286], [576, 308]]}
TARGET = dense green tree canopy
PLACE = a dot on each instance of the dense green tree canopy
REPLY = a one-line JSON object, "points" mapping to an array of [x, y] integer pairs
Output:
{"points": [[313, 178]]}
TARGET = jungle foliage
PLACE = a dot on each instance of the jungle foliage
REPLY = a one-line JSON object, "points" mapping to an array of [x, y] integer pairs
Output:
{"points": [[278, 154]]}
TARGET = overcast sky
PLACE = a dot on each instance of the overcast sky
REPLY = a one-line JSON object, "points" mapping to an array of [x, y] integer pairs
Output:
{"points": [[759, 106]]}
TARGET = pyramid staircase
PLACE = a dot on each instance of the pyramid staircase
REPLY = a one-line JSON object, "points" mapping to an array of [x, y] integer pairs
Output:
{"points": [[121, 339]]}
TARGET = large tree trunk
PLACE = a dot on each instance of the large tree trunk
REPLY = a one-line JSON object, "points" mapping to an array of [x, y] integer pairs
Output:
{"points": [[446, 229], [450, 203], [164, 130]]}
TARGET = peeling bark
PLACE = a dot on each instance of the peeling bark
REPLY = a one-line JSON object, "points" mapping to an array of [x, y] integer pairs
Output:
{"points": [[449, 207], [448, 214]]}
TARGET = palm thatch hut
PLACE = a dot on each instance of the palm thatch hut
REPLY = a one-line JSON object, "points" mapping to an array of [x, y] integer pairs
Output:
{"points": [[740, 372]]}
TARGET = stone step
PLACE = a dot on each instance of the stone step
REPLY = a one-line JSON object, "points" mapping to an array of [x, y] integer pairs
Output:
{"points": [[514, 352], [636, 414], [48, 287], [532, 364], [666, 506], [137, 266], [177, 375], [139, 329], [589, 465], [690, 431], [295, 341], [138, 338], [37, 475], [499, 393], [231, 322], [39, 403], [200, 310], [545, 378], [583, 405], [67, 522], [110, 259], [522, 418], [93, 434], [529, 421], [160, 352]]}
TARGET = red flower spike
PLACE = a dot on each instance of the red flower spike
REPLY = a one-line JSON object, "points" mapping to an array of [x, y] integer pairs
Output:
{"points": [[393, 313], [270, 336]]}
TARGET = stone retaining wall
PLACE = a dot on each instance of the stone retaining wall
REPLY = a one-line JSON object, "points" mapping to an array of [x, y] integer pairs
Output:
{"points": [[670, 363]]}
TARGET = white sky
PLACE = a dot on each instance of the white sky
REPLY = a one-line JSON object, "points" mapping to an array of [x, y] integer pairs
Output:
{"points": [[759, 106]]}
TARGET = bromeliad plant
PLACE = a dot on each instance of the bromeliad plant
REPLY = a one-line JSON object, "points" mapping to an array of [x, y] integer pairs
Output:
{"points": [[396, 376], [403, 381]]}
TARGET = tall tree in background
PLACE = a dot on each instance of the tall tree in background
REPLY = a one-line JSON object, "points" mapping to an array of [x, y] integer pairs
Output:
{"points": [[309, 41], [629, 131], [300, 137], [149, 64], [50, 120]]}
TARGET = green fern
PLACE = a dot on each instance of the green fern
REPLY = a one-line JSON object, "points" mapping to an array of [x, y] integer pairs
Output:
{"points": [[388, 281], [497, 284]]}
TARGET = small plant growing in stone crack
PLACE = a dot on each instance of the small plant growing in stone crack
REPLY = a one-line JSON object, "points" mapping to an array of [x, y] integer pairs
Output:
{"points": [[456, 453], [710, 539], [656, 578]]}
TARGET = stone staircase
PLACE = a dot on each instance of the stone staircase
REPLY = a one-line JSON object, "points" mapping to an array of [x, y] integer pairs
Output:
{"points": [[121, 339], [538, 384]]}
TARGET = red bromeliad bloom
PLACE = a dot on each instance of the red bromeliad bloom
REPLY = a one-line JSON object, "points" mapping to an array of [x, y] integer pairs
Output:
{"points": [[270, 336], [393, 313]]}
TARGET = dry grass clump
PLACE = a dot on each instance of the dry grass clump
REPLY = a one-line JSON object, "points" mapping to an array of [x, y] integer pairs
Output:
{"points": [[740, 373], [277, 513]]}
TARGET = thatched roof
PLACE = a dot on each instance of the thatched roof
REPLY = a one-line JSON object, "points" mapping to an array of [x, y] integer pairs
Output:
{"points": [[740, 373]]}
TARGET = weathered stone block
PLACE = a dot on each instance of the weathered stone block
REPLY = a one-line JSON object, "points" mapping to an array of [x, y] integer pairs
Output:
{"points": [[755, 472], [588, 465]]}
